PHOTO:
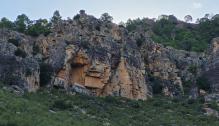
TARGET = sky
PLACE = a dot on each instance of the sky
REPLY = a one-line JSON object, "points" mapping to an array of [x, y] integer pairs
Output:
{"points": [[121, 10]]}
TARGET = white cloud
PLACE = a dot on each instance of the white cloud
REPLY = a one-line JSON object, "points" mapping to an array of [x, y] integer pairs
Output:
{"points": [[197, 5]]}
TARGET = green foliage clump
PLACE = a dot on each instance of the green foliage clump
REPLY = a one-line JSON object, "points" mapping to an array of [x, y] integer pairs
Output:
{"points": [[46, 72], [214, 105], [40, 27], [14, 41], [187, 37], [19, 52], [105, 17], [203, 83], [132, 25], [28, 72], [193, 69], [5, 23], [157, 86], [76, 17], [61, 105], [24, 25], [56, 18], [140, 41], [36, 49], [85, 44]]}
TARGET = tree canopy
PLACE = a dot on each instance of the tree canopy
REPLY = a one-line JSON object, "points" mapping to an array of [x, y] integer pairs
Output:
{"points": [[166, 29], [56, 17], [24, 25], [170, 31], [106, 17]]}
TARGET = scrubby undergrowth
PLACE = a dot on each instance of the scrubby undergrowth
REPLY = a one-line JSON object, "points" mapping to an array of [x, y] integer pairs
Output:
{"points": [[58, 109]]}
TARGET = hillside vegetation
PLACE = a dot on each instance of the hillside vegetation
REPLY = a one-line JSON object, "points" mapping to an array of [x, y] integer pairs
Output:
{"points": [[55, 108], [170, 31]]}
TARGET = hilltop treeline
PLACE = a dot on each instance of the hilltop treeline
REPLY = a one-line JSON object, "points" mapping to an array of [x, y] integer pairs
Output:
{"points": [[170, 31], [166, 29]]}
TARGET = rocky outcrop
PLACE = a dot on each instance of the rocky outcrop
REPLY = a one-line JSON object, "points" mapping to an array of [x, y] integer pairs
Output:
{"points": [[94, 56], [100, 58], [18, 71], [212, 67], [172, 67]]}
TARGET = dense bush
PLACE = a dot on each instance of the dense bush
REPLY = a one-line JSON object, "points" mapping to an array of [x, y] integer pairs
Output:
{"points": [[46, 72], [56, 18], [76, 17], [140, 41], [157, 86], [105, 17], [40, 27], [22, 23], [14, 41], [5, 23], [28, 72], [203, 83], [36, 49], [193, 69], [19, 52], [61, 105]]}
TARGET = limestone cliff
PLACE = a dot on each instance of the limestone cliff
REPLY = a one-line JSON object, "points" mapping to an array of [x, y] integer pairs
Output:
{"points": [[98, 58], [171, 66], [87, 56]]}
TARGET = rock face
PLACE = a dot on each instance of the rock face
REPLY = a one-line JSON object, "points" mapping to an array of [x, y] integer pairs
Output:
{"points": [[16, 71], [100, 58], [212, 68], [171, 67], [94, 55]]}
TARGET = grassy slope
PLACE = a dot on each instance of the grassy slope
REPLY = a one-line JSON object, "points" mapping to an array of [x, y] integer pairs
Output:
{"points": [[68, 110]]}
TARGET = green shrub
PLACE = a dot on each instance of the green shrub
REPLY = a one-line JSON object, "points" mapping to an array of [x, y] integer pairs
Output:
{"points": [[20, 53], [76, 17], [1, 84], [5, 23], [36, 49], [40, 27], [140, 41], [190, 101], [28, 72], [85, 44], [61, 105], [134, 104], [187, 86], [8, 124], [46, 72], [193, 69], [214, 105], [14, 41], [112, 100], [203, 83], [10, 79], [157, 86], [21, 23]]}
